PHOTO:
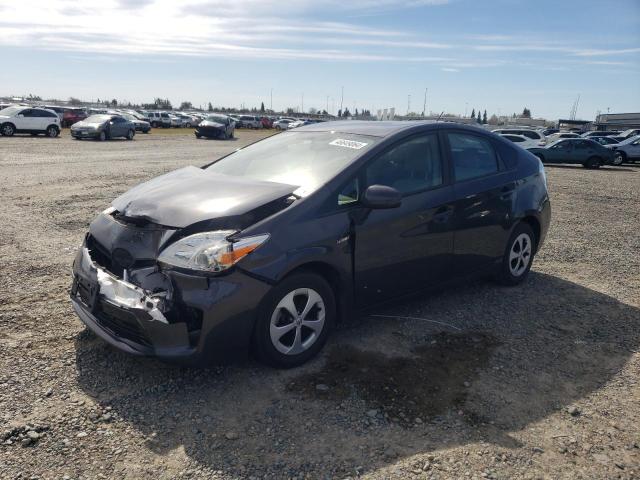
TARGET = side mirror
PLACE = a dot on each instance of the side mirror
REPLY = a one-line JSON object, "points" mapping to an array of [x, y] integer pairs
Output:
{"points": [[381, 196], [20, 115]]}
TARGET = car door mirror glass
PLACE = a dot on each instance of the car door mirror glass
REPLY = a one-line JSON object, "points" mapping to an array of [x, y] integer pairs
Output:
{"points": [[381, 196]]}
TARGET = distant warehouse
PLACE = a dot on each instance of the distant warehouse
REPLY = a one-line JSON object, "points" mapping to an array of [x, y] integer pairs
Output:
{"points": [[617, 121]]}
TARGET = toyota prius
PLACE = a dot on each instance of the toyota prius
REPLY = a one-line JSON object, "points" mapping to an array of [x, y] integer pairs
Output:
{"points": [[266, 249]]}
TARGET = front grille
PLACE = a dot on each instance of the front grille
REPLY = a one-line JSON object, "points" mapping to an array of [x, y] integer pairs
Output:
{"points": [[102, 257], [121, 324]]}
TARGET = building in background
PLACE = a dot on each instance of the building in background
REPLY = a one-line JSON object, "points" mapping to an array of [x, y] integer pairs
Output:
{"points": [[617, 121]]}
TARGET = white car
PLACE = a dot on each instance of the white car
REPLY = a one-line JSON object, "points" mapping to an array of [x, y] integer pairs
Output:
{"points": [[527, 132], [561, 135], [29, 120], [522, 141], [283, 123]]}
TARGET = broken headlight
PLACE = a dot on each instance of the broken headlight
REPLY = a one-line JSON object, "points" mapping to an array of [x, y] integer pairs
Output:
{"points": [[210, 251]]}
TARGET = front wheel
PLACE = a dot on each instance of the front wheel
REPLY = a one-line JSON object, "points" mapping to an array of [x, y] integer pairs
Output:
{"points": [[8, 130], [294, 320], [518, 256], [130, 134]]}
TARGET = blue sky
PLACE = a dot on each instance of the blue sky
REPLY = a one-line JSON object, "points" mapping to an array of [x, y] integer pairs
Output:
{"points": [[498, 55]]}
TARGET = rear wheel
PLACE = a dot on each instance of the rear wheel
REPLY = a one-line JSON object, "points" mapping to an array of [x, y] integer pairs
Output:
{"points": [[52, 131], [130, 134], [8, 129], [518, 256], [619, 158], [593, 162], [154, 124], [294, 320]]}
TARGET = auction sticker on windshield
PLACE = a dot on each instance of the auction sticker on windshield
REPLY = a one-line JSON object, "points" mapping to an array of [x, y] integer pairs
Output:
{"points": [[341, 142]]}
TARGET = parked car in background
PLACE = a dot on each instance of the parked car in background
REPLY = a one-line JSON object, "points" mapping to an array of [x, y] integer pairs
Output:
{"points": [[283, 123], [59, 111], [29, 120], [159, 119], [103, 127], [581, 151], [140, 125], [527, 132], [216, 126], [73, 115], [632, 132], [561, 135], [296, 124], [250, 121], [521, 140], [549, 131], [267, 122], [202, 264], [627, 151], [186, 121], [600, 133], [605, 140]]}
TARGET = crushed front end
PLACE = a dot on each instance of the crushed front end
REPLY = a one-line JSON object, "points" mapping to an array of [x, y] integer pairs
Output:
{"points": [[124, 295]]}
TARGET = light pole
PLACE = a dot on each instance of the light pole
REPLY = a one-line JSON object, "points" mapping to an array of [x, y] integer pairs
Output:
{"points": [[408, 104], [424, 106], [341, 98], [271, 100]]}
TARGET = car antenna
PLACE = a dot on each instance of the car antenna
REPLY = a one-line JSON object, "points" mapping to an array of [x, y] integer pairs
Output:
{"points": [[440, 116]]}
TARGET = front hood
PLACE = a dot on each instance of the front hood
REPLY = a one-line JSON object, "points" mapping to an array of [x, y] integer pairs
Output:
{"points": [[83, 124], [210, 124], [190, 195]]}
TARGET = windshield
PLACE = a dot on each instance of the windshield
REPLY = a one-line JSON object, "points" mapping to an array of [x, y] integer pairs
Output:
{"points": [[10, 111], [216, 119], [305, 159], [97, 118]]}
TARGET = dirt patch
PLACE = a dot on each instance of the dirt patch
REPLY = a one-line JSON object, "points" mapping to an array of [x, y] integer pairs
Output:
{"points": [[403, 390]]}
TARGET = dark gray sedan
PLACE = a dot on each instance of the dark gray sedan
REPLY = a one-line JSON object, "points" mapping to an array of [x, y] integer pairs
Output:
{"points": [[216, 126], [103, 127]]}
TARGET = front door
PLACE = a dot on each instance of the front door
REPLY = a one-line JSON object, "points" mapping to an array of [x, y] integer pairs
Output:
{"points": [[400, 250]]}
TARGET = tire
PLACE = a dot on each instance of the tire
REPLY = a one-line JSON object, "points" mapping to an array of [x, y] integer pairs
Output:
{"points": [[188, 125], [515, 266], [102, 136], [278, 127], [154, 124], [198, 135], [8, 129], [130, 134], [301, 338], [593, 163], [620, 155], [53, 131]]}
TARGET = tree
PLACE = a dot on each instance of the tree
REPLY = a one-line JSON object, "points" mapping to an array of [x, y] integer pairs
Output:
{"points": [[324, 112], [339, 113], [473, 113], [186, 106], [493, 120], [74, 101], [479, 119], [484, 118], [526, 113], [210, 107], [346, 113], [262, 107], [356, 114], [114, 102]]}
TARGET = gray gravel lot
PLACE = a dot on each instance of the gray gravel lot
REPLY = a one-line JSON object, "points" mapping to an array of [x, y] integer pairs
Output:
{"points": [[537, 381]]}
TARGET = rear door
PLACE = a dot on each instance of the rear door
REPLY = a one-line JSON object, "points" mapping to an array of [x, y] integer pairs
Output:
{"points": [[483, 190], [403, 249]]}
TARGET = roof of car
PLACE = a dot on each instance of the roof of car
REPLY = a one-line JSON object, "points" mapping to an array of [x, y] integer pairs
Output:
{"points": [[373, 128]]}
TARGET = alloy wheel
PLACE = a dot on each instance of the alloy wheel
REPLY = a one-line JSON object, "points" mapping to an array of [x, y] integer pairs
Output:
{"points": [[520, 254], [297, 321]]}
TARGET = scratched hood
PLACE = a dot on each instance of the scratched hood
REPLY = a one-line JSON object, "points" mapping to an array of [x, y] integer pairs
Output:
{"points": [[189, 195]]}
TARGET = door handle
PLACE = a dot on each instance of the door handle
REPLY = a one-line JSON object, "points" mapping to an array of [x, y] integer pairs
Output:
{"points": [[442, 215]]}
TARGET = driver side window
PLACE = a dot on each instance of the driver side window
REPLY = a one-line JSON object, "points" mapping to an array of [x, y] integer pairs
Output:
{"points": [[413, 165]]}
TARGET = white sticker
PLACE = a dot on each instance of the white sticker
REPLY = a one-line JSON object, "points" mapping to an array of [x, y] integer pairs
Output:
{"points": [[341, 142]]}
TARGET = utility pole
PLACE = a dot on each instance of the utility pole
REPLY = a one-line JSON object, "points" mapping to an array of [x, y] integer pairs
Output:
{"points": [[466, 105], [341, 98], [271, 100], [408, 103], [302, 103], [424, 106]]}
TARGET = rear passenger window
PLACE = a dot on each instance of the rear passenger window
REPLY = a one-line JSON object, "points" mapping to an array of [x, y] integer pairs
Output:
{"points": [[472, 156], [413, 165]]}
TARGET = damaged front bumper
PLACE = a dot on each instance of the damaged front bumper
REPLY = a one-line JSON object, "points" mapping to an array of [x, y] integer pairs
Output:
{"points": [[124, 315]]}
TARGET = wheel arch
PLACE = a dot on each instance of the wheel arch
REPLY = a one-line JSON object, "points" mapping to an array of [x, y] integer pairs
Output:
{"points": [[534, 223], [342, 292]]}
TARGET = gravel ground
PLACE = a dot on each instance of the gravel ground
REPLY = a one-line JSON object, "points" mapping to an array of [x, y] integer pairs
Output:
{"points": [[537, 381]]}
